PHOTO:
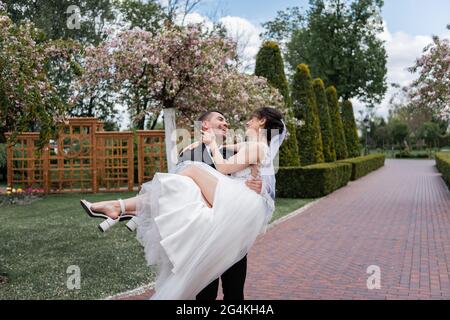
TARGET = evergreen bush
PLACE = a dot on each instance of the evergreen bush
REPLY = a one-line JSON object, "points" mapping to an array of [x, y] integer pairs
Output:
{"points": [[309, 136], [340, 145], [270, 65], [351, 132], [329, 152]]}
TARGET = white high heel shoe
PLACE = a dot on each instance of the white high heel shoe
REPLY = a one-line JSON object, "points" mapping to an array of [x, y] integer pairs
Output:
{"points": [[132, 224], [109, 222]]}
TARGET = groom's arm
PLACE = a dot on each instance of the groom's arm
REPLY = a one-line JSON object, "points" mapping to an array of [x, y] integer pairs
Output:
{"points": [[263, 186], [190, 147]]}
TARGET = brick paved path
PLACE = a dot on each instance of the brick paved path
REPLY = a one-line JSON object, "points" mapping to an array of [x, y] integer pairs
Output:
{"points": [[397, 218]]}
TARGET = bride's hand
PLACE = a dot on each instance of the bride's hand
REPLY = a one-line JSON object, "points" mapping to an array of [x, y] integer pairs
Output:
{"points": [[208, 137]]}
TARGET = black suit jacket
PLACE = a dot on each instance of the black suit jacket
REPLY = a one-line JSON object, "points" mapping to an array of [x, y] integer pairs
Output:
{"points": [[201, 154]]}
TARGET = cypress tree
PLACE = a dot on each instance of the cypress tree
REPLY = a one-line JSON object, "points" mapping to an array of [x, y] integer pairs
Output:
{"points": [[270, 65], [340, 144], [305, 110], [351, 133], [325, 121]]}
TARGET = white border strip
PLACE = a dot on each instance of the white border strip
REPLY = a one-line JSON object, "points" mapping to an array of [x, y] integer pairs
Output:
{"points": [[131, 293]]}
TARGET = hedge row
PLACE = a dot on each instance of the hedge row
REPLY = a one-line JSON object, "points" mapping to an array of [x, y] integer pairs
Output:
{"points": [[312, 181], [362, 166], [443, 165], [318, 180]]}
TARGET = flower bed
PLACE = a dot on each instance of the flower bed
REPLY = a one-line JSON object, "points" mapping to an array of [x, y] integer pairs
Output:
{"points": [[19, 196]]}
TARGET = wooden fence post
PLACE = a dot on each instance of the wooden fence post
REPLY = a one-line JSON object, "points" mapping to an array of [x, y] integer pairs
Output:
{"points": [[9, 162], [46, 169], [93, 157], [130, 163], [140, 160]]}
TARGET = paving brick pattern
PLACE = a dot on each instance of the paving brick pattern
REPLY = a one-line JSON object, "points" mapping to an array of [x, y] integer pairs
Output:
{"points": [[397, 218]]}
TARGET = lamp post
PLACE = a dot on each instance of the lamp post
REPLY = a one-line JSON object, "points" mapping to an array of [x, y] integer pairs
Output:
{"points": [[367, 126]]}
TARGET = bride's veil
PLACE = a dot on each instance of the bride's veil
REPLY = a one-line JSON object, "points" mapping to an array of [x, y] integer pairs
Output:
{"points": [[274, 147]]}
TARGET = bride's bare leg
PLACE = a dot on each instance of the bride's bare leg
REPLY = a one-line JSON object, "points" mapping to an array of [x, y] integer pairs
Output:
{"points": [[206, 181], [202, 178], [112, 208]]}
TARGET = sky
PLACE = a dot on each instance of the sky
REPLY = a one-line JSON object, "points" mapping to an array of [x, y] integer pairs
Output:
{"points": [[416, 17], [409, 25]]}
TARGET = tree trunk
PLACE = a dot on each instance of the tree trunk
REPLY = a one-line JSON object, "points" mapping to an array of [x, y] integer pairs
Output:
{"points": [[170, 137]]}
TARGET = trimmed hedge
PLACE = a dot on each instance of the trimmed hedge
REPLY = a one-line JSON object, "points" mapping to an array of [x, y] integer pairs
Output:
{"points": [[443, 165], [318, 180], [411, 155], [313, 181], [362, 166]]}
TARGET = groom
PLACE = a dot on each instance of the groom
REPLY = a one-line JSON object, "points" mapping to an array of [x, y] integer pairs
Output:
{"points": [[234, 278]]}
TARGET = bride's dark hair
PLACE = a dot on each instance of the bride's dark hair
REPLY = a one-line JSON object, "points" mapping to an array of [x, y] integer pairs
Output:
{"points": [[274, 120]]}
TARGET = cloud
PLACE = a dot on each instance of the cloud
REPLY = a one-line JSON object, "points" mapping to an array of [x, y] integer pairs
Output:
{"points": [[195, 18], [402, 50], [246, 34]]}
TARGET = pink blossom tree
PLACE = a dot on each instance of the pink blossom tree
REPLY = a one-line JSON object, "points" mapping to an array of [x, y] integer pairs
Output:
{"points": [[182, 70], [28, 99], [431, 90]]}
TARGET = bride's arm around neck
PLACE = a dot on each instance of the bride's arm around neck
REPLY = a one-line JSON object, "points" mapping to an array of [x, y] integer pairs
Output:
{"points": [[250, 153], [234, 147]]}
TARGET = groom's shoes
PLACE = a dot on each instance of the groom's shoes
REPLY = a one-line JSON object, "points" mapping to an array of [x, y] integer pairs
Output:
{"points": [[109, 222]]}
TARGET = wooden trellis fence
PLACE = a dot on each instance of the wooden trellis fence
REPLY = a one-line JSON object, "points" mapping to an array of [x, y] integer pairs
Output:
{"points": [[86, 159]]}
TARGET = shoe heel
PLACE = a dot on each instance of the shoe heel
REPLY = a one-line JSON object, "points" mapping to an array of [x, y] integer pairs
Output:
{"points": [[108, 223], [132, 225]]}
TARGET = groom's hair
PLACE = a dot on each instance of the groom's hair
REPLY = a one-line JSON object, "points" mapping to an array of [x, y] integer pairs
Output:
{"points": [[207, 115]]}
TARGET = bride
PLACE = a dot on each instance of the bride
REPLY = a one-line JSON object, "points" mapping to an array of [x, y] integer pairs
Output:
{"points": [[197, 222]]}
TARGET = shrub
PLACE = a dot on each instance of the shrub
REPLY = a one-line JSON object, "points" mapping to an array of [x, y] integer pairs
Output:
{"points": [[443, 165], [329, 153], [309, 136], [270, 65], [2, 155], [340, 145], [312, 181], [351, 133], [362, 166], [405, 154], [444, 140], [3, 161]]}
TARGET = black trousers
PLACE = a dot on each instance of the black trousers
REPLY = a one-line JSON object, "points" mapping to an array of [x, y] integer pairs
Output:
{"points": [[233, 281]]}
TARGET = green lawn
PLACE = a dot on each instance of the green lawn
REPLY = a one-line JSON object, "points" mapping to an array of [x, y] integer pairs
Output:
{"points": [[38, 242], [286, 206]]}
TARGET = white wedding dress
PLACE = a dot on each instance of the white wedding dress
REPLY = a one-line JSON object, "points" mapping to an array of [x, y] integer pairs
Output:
{"points": [[191, 244]]}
